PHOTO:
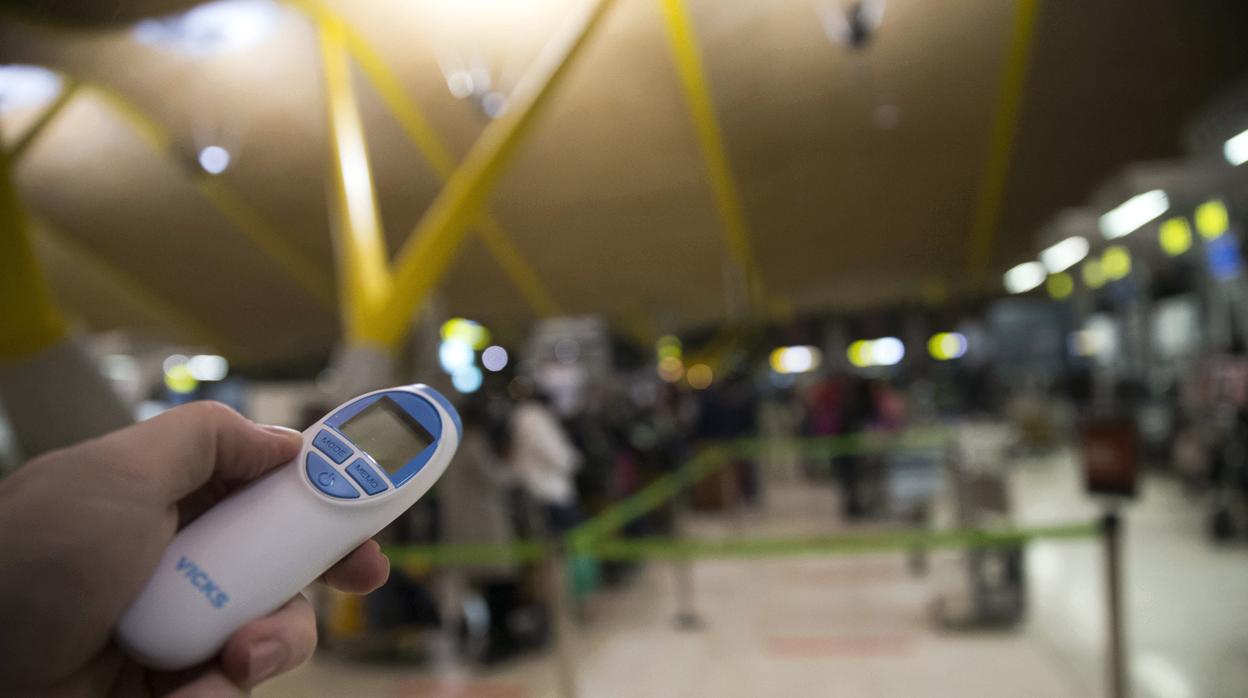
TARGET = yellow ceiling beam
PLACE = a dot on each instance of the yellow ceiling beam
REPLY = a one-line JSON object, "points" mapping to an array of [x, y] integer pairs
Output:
{"points": [[120, 280], [68, 89], [991, 193], [363, 267], [683, 43], [427, 253], [124, 283], [232, 205], [421, 133], [31, 320]]}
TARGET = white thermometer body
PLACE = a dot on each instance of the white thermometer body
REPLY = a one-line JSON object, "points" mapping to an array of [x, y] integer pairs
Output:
{"points": [[361, 466]]}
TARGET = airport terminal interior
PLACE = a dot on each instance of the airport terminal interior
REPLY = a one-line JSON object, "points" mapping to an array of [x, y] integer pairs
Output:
{"points": [[778, 348]]}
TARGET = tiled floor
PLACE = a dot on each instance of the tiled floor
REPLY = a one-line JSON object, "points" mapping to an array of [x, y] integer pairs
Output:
{"points": [[860, 626]]}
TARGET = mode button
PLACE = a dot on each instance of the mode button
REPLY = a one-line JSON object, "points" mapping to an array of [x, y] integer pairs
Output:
{"points": [[332, 446]]}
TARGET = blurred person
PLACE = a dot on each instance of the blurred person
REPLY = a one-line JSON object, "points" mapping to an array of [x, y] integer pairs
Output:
{"points": [[729, 410], [545, 461], [778, 420], [858, 415], [474, 509], [889, 406], [474, 493], [83, 528]]}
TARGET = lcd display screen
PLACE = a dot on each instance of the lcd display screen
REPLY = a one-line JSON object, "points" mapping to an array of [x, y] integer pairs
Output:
{"points": [[389, 434]]}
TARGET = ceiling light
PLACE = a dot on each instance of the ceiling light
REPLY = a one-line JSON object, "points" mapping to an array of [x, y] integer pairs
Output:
{"points": [[454, 354], [1065, 254], [467, 379], [1116, 262], [208, 367], [1128, 216], [1235, 150], [23, 86], [799, 359], [859, 353], [1212, 219], [1025, 277], [1093, 274], [494, 358], [1060, 286], [699, 376], [946, 346], [1175, 236], [470, 332], [671, 369], [212, 28], [460, 84], [887, 351], [214, 159]]}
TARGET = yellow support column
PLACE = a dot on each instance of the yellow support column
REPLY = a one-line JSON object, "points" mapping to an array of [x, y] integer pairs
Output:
{"points": [[684, 46], [427, 254], [31, 320], [1005, 118], [420, 132], [363, 272]]}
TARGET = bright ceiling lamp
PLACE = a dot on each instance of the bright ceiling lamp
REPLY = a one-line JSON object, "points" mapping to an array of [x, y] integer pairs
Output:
{"points": [[1065, 254], [798, 359], [212, 28], [1235, 149], [1128, 216], [494, 358], [467, 379], [455, 355], [1060, 286], [946, 346], [1093, 274], [470, 332], [1116, 262], [1212, 219], [1175, 236], [887, 351], [867, 353], [208, 367], [214, 159], [1025, 277], [24, 86]]}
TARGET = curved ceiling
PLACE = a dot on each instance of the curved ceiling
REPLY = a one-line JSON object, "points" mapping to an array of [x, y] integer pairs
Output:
{"points": [[858, 170]]}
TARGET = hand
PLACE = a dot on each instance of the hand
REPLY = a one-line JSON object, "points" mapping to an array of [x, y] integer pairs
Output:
{"points": [[83, 528]]}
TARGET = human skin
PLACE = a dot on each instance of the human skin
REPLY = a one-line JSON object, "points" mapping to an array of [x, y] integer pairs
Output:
{"points": [[83, 528]]}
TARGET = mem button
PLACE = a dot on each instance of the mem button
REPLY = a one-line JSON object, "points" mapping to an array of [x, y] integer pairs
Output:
{"points": [[332, 446], [365, 476], [328, 480]]}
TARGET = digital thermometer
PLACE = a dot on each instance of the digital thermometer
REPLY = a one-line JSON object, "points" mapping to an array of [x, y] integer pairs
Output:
{"points": [[360, 467]]}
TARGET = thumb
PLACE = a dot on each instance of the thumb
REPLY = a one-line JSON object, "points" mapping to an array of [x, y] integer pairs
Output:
{"points": [[182, 449]]}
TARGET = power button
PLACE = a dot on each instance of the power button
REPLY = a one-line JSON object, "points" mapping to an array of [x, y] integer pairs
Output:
{"points": [[328, 480]]}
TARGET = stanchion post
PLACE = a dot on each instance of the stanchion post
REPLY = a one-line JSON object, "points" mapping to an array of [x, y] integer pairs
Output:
{"points": [[557, 584], [1111, 533], [687, 617]]}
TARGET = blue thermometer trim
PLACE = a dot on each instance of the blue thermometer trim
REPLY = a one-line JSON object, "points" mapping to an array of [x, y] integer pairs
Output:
{"points": [[418, 408]]}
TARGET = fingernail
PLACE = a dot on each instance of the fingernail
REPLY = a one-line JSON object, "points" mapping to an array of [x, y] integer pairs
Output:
{"points": [[281, 431], [263, 659]]}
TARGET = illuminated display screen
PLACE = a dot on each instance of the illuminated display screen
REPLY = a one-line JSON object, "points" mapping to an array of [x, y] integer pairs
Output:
{"points": [[386, 432]]}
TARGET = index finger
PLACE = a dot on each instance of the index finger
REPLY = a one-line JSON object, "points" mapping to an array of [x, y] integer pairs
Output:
{"points": [[180, 450]]}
